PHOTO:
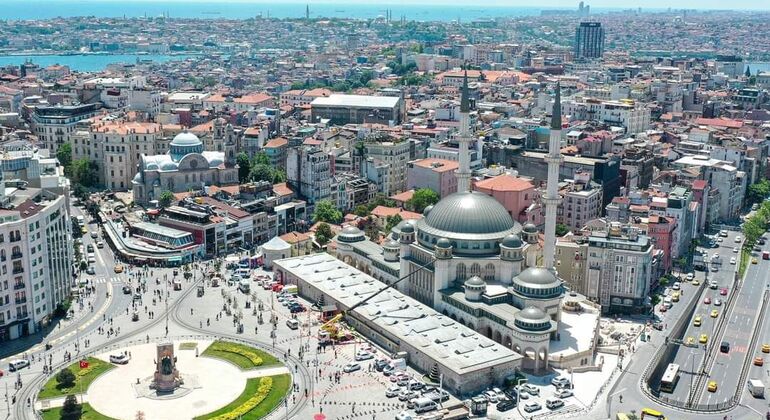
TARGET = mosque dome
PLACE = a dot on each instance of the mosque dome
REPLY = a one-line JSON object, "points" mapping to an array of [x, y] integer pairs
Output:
{"points": [[186, 139], [532, 319], [469, 213], [391, 244], [512, 241], [475, 281], [537, 283], [427, 210], [351, 234], [443, 243], [530, 228], [407, 228]]}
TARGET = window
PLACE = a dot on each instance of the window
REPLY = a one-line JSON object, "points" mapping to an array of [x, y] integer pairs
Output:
{"points": [[461, 274]]}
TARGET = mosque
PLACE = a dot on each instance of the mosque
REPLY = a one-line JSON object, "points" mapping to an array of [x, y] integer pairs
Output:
{"points": [[186, 166], [469, 260]]}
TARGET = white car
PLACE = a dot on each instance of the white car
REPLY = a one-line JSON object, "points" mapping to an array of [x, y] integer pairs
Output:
{"points": [[491, 396], [393, 391], [363, 355], [532, 406], [560, 382], [530, 389], [563, 393], [404, 415], [351, 367], [677, 286], [717, 302], [120, 359], [732, 260], [554, 403], [690, 276], [738, 239], [735, 250]]}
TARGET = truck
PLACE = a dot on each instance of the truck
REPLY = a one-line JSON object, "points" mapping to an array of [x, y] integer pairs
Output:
{"points": [[756, 387], [765, 255]]}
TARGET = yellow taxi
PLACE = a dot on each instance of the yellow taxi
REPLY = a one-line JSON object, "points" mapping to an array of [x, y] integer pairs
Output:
{"points": [[695, 282], [83, 230], [675, 296], [754, 261], [765, 348], [118, 269], [697, 321], [712, 386], [759, 361], [714, 313], [703, 339], [690, 340]]}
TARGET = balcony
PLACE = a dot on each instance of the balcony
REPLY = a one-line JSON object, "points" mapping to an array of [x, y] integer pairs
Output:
{"points": [[16, 255], [18, 286], [18, 270], [21, 300], [15, 238]]}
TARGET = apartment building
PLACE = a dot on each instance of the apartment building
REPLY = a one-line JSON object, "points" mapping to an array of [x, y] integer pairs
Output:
{"points": [[53, 125], [308, 171], [303, 97], [635, 118], [394, 153], [435, 174]]}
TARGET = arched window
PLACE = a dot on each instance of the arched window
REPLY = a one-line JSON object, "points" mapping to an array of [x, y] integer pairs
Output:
{"points": [[475, 270], [489, 272], [461, 274]]}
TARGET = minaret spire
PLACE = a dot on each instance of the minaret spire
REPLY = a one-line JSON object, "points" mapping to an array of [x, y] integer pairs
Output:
{"points": [[552, 199], [464, 168]]}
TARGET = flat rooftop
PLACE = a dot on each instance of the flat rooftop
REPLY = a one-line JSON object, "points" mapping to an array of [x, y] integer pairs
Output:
{"points": [[357, 101], [436, 336], [161, 230]]}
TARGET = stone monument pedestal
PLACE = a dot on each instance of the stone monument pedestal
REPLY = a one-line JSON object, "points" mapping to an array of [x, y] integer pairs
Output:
{"points": [[166, 377]]}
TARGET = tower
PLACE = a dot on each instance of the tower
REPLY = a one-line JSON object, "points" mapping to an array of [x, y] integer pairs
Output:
{"points": [[307, 12], [464, 170], [589, 40], [551, 198]]}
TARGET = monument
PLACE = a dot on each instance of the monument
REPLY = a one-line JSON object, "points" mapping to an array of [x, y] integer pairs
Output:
{"points": [[166, 378]]}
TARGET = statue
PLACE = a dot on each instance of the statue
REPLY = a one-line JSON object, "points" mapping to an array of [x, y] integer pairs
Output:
{"points": [[165, 366], [166, 378]]}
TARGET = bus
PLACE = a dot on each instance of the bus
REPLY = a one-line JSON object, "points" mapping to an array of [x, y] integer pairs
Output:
{"points": [[670, 378], [650, 413]]}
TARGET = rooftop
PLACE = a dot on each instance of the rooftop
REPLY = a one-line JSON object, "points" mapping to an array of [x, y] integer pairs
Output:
{"points": [[360, 101]]}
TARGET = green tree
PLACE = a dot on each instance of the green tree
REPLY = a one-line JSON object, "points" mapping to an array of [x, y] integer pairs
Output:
{"points": [[561, 229], [422, 198], [244, 167], [261, 172], [261, 158], [165, 199], [361, 210], [64, 156], [392, 221], [65, 378], [71, 410], [758, 192], [85, 172], [323, 233], [325, 211], [279, 175]]}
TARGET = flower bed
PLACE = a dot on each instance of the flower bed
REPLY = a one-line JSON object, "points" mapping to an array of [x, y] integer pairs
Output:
{"points": [[265, 385], [260, 397], [244, 357], [83, 379]]}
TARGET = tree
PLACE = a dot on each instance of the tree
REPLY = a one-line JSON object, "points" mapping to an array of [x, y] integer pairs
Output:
{"points": [[323, 233], [361, 210], [244, 167], [326, 212], [65, 378], [758, 192], [85, 172], [165, 199], [261, 158], [392, 221], [261, 172], [71, 410], [561, 229], [422, 198], [64, 156]]}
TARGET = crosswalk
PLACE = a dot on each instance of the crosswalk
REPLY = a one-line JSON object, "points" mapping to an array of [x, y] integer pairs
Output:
{"points": [[102, 280]]}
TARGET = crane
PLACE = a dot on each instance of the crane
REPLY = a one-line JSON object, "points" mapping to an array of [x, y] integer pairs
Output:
{"points": [[330, 326]]}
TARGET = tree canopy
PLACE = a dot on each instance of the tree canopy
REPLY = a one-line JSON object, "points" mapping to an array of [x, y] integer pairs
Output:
{"points": [[64, 156], [85, 173], [423, 197], [165, 199], [325, 211], [392, 221], [244, 166], [323, 233], [758, 192]]}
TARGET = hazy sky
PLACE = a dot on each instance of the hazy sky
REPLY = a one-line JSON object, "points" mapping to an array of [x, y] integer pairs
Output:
{"points": [[677, 4]]}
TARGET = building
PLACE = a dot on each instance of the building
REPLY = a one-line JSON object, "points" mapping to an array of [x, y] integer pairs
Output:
{"points": [[303, 97], [300, 243], [435, 174], [581, 202], [308, 171], [185, 167], [619, 269], [634, 117], [589, 40], [395, 154], [516, 194], [356, 109], [53, 125]]}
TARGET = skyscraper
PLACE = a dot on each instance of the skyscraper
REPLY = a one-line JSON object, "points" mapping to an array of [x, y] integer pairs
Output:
{"points": [[589, 40], [552, 199]]}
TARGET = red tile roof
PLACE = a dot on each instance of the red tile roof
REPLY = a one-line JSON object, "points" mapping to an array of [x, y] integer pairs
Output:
{"points": [[505, 183]]}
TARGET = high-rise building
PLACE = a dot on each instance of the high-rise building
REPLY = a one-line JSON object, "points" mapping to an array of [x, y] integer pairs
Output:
{"points": [[589, 40]]}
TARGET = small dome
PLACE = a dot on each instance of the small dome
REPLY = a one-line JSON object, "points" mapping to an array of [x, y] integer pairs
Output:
{"points": [[532, 313], [537, 277], [186, 138], [475, 281], [351, 234], [427, 210], [151, 166], [169, 166], [512, 241], [407, 228], [391, 244], [352, 230], [138, 178], [530, 228], [443, 243]]}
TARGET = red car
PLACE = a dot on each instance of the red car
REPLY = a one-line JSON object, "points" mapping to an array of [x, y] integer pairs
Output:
{"points": [[707, 300], [723, 291]]}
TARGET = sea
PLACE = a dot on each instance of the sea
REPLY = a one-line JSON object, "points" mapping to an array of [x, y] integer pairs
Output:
{"points": [[85, 62]]}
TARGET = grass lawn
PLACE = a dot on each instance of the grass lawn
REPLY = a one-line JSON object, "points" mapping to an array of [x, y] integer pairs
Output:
{"points": [[280, 387], [88, 414], [237, 359], [188, 346], [51, 388]]}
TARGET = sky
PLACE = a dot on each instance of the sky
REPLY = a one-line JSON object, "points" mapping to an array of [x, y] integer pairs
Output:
{"points": [[651, 4]]}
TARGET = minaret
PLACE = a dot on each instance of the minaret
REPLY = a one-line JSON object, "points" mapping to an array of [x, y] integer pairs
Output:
{"points": [[464, 170], [307, 12], [552, 198]]}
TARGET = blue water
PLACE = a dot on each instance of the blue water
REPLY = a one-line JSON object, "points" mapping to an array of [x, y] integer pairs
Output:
{"points": [[47, 9], [85, 62]]}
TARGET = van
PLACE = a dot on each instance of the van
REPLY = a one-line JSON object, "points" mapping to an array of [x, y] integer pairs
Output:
{"points": [[667, 302], [17, 364], [244, 286], [554, 403], [423, 405], [292, 323], [398, 364], [724, 347]]}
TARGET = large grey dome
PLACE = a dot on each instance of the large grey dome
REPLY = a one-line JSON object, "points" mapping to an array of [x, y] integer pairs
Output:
{"points": [[537, 277], [473, 215], [186, 138]]}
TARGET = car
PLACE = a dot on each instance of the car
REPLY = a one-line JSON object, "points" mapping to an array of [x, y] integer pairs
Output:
{"points": [[404, 415], [17, 364], [297, 309], [713, 284], [380, 364], [732, 260], [402, 380], [505, 406], [99, 244], [723, 291], [719, 239], [532, 406], [90, 270], [703, 339], [126, 290], [690, 340], [491, 396], [415, 385], [363, 355], [712, 386], [563, 393], [120, 359], [717, 302], [554, 403], [94, 234], [714, 313], [560, 382], [754, 261], [759, 361], [707, 300], [724, 347], [765, 348], [530, 389], [658, 326], [690, 276], [738, 239], [662, 308], [696, 322], [437, 396], [677, 286], [723, 233], [695, 282], [735, 250], [118, 269], [407, 395], [351, 367], [393, 391]]}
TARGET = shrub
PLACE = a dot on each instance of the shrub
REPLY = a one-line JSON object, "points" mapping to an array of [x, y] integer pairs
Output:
{"points": [[65, 378], [71, 410]]}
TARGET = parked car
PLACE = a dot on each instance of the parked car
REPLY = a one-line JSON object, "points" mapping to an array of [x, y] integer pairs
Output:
{"points": [[554, 403], [351, 367], [90, 270], [532, 406], [17, 364], [491, 396], [393, 391], [120, 359], [563, 393], [404, 415], [364, 355], [560, 382], [530, 389], [415, 385], [380, 364], [437, 396], [407, 395], [505, 406]]}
